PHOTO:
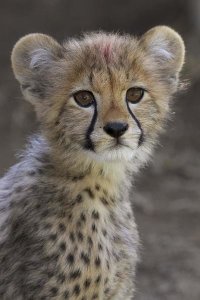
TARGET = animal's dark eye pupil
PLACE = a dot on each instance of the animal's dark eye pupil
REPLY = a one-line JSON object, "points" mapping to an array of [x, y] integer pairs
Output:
{"points": [[84, 98], [135, 94]]}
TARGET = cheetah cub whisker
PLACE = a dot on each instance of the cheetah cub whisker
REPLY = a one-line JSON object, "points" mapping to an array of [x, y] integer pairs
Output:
{"points": [[66, 226]]}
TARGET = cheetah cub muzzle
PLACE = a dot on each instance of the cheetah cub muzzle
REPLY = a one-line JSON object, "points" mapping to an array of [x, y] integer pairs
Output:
{"points": [[66, 226]]}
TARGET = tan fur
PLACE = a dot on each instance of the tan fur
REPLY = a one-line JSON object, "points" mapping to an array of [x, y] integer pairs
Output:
{"points": [[84, 180]]}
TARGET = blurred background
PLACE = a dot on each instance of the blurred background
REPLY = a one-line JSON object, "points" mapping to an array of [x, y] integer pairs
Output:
{"points": [[166, 199]]}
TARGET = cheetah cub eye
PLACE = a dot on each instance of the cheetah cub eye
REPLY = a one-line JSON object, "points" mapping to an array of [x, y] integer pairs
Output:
{"points": [[135, 94], [84, 98]]}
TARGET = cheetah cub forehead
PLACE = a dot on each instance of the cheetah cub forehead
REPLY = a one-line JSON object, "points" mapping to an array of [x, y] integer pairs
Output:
{"points": [[103, 96]]}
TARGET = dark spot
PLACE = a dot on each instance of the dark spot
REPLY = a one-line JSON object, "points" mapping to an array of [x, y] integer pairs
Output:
{"points": [[98, 279], [53, 236], [97, 187], [107, 290], [108, 266], [101, 172], [85, 257], [105, 192], [47, 226], [61, 278], [72, 237], [31, 173], [76, 290], [119, 274], [50, 274], [75, 274], [104, 232], [43, 158], [70, 217], [90, 242], [112, 217], [80, 236], [73, 203], [40, 171], [13, 204], [83, 217], [66, 295], [129, 215], [18, 189], [76, 178], [33, 188], [15, 226], [117, 239], [62, 246], [35, 227], [95, 296], [108, 251], [54, 291], [95, 215], [38, 206], [112, 199], [75, 249], [90, 193], [70, 258], [45, 213], [100, 247], [87, 283], [60, 199], [97, 261], [79, 198], [61, 214], [79, 224], [94, 228], [104, 201], [60, 136], [106, 280], [61, 227], [54, 257], [83, 298]]}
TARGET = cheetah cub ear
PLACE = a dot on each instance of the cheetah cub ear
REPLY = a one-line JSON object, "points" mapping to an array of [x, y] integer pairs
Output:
{"points": [[35, 60], [166, 51]]}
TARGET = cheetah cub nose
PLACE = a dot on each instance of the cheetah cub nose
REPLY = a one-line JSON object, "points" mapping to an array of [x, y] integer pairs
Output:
{"points": [[115, 129]]}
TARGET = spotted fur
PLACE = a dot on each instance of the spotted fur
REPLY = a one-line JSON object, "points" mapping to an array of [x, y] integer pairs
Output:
{"points": [[67, 230]]}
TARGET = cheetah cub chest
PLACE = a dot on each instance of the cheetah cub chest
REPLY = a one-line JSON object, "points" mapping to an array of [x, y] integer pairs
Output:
{"points": [[95, 244], [66, 226]]}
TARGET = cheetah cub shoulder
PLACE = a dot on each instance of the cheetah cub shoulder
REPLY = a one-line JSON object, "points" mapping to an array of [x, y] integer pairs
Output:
{"points": [[66, 226]]}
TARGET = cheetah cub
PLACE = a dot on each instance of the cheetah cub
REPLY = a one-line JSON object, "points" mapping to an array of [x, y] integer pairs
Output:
{"points": [[66, 224]]}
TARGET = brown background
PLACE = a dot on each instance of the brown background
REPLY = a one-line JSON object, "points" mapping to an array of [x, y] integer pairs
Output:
{"points": [[167, 196]]}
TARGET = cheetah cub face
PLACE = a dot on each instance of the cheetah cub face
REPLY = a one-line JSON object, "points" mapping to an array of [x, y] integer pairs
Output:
{"points": [[104, 96]]}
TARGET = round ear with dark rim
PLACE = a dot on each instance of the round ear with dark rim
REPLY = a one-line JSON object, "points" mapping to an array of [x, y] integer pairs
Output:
{"points": [[165, 48], [32, 58]]}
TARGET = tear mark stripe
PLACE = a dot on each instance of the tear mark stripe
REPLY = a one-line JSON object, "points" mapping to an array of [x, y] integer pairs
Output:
{"points": [[141, 138], [88, 142]]}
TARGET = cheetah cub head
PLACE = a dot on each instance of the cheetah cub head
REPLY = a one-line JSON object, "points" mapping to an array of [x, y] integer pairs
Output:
{"points": [[103, 96]]}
